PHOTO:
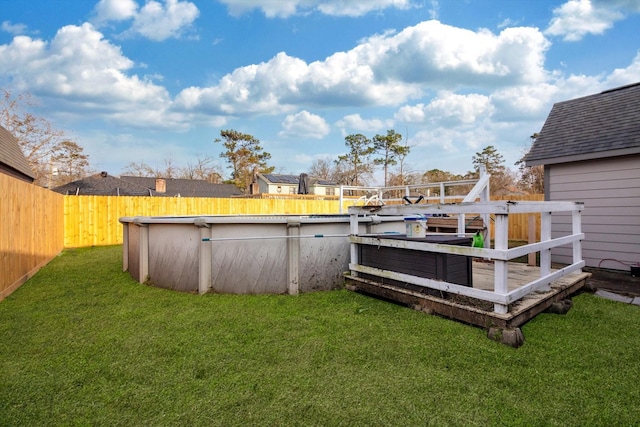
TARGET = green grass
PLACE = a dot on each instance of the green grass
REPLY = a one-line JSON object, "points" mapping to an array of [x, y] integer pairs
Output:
{"points": [[81, 343]]}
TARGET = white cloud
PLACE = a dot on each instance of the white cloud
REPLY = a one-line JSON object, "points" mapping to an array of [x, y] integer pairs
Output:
{"points": [[442, 55], [359, 7], [83, 72], [624, 76], [357, 123], [286, 8], [383, 70], [434, 10], [115, 10], [156, 20], [304, 125], [450, 140], [14, 29], [577, 18], [159, 22], [632, 6], [448, 109]]}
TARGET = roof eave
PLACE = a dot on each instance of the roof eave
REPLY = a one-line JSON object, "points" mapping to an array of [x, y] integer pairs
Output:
{"points": [[583, 157]]}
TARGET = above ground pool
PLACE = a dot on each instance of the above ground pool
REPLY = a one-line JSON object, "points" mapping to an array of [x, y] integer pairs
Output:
{"points": [[244, 254]]}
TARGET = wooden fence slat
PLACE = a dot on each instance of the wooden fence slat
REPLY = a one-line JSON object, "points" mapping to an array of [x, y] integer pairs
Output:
{"points": [[31, 230]]}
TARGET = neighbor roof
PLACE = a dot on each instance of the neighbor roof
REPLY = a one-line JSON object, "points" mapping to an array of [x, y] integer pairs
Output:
{"points": [[293, 179], [186, 187], [103, 184], [606, 124], [12, 159]]}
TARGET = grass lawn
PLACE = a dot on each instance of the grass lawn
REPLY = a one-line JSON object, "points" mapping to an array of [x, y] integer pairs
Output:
{"points": [[81, 343]]}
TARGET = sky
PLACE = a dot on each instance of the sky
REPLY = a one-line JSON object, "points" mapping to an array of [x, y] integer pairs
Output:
{"points": [[156, 80]]}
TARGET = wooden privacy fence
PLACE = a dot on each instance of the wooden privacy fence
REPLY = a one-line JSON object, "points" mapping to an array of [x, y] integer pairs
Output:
{"points": [[31, 230], [93, 220]]}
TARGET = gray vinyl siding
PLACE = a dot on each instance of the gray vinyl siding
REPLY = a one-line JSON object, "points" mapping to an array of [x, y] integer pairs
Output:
{"points": [[610, 190]]}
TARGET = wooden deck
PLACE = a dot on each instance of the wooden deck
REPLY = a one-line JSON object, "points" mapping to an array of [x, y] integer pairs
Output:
{"points": [[480, 313]]}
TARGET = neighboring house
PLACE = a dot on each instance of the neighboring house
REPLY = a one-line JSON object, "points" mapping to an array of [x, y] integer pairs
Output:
{"points": [[178, 187], [12, 159], [104, 184], [291, 184], [590, 149]]}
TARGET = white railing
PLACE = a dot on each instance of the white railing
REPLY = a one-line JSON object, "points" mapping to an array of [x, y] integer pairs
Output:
{"points": [[380, 194], [501, 297]]}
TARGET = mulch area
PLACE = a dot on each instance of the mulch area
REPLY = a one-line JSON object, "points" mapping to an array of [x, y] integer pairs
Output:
{"points": [[619, 282]]}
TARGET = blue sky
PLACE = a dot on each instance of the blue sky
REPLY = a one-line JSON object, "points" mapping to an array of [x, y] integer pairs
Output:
{"points": [[147, 81]]}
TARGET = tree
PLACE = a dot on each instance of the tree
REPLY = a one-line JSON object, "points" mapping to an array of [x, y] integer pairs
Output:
{"points": [[355, 166], [531, 177], [37, 138], [145, 170], [323, 168], [70, 164], [245, 156], [437, 175], [138, 169], [490, 159], [502, 178], [202, 168], [389, 148]]}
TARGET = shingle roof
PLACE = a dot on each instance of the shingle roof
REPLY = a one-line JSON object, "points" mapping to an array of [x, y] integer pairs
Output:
{"points": [[186, 187], [294, 179], [606, 124], [103, 184], [11, 156]]}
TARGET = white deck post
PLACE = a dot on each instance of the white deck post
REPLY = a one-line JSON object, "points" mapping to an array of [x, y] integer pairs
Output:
{"points": [[501, 269], [341, 198], [485, 196], [545, 254], [576, 220], [461, 225]]}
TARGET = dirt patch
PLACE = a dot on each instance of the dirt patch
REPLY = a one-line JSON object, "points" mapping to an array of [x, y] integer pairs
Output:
{"points": [[619, 282]]}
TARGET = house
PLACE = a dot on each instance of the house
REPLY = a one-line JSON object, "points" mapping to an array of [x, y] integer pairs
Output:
{"points": [[179, 187], [292, 184], [590, 149], [104, 184], [12, 159]]}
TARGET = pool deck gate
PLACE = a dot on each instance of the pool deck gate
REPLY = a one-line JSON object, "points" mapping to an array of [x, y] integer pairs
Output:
{"points": [[504, 295]]}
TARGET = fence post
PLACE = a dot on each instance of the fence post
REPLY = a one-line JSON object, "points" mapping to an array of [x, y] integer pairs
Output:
{"points": [[501, 267]]}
